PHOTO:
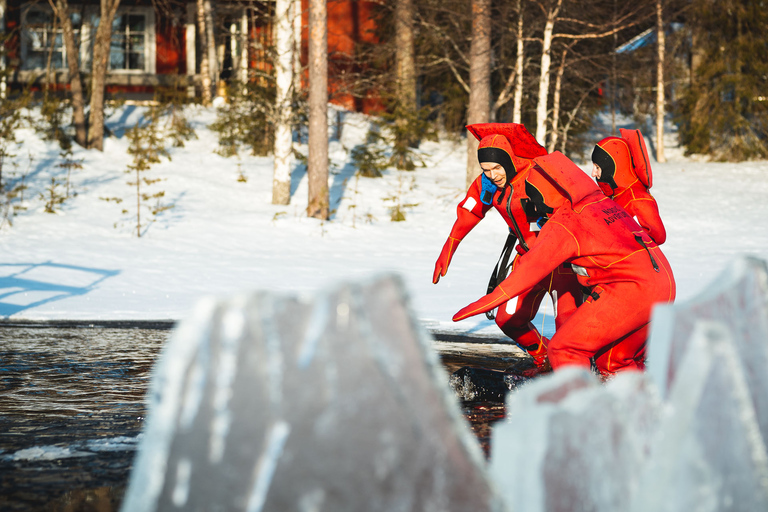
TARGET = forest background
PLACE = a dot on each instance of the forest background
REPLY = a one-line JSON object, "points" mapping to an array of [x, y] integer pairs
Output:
{"points": [[432, 67]]}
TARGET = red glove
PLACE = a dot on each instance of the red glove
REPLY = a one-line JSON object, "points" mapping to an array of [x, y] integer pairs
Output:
{"points": [[441, 266], [493, 300]]}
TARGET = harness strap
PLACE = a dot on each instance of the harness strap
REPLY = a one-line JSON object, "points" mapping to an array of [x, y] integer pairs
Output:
{"points": [[586, 290], [501, 269], [653, 261]]}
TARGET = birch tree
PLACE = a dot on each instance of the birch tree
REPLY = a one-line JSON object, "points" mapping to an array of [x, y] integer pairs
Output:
{"points": [[62, 11], [517, 109], [660, 82], [3, 77], [582, 28], [101, 50], [479, 79], [546, 59], [317, 168], [284, 44], [556, 102], [205, 67], [210, 42]]}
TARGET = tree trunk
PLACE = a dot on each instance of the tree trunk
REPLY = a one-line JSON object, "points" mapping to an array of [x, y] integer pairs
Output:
{"points": [[101, 48], [406, 65], [318, 110], [614, 78], [205, 74], [556, 104], [49, 61], [297, 22], [3, 78], [281, 181], [75, 82], [479, 79], [546, 59], [660, 83], [517, 110], [210, 41]]}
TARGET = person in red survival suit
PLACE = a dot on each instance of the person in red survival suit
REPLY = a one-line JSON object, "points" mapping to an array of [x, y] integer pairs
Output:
{"points": [[621, 267], [623, 172], [505, 153]]}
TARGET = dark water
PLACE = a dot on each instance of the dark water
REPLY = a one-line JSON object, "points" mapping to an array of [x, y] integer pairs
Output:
{"points": [[72, 405], [71, 410]]}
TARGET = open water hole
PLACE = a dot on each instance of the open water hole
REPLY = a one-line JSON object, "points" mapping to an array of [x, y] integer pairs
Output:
{"points": [[72, 406]]}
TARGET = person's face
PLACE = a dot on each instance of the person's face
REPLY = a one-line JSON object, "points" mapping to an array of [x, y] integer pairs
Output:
{"points": [[596, 171], [495, 172]]}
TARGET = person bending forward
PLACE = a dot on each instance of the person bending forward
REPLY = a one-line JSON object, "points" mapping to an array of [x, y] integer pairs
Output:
{"points": [[621, 268]]}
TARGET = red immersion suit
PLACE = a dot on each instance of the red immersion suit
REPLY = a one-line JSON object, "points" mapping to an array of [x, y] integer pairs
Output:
{"points": [[513, 317], [626, 178], [623, 269]]}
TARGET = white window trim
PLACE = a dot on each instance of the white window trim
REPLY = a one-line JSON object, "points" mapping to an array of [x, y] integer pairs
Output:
{"points": [[150, 57], [25, 39], [86, 31]]}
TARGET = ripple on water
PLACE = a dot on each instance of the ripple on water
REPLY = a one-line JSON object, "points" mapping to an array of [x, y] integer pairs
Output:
{"points": [[72, 403]]}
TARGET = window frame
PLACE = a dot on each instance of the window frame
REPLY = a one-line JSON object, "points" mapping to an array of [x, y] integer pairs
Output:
{"points": [[27, 40], [86, 34], [149, 41]]}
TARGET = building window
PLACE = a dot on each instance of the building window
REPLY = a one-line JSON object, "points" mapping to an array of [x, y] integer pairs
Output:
{"points": [[128, 50], [42, 37]]}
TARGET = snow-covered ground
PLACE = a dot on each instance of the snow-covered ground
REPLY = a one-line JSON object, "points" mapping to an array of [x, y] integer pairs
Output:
{"points": [[223, 236]]}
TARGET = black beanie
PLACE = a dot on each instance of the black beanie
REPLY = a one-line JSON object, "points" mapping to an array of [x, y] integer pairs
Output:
{"points": [[497, 156], [606, 164]]}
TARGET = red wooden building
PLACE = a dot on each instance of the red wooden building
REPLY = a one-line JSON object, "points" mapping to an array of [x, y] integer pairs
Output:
{"points": [[159, 47]]}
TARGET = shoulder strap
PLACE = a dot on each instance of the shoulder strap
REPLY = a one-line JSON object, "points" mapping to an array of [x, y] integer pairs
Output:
{"points": [[514, 222]]}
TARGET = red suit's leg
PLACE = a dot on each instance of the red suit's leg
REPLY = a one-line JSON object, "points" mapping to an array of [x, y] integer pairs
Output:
{"points": [[627, 352], [514, 317], [621, 309]]}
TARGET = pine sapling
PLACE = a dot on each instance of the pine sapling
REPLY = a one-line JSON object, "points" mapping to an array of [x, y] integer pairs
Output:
{"points": [[147, 148], [171, 103], [53, 196], [369, 160], [69, 163], [397, 210], [241, 177]]}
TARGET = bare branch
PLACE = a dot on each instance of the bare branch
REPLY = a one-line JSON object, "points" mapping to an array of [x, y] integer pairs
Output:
{"points": [[439, 31], [457, 75], [618, 27], [504, 95]]}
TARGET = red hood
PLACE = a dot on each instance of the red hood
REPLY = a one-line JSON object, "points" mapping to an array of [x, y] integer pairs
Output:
{"points": [[630, 159], [520, 140], [641, 164], [564, 180]]}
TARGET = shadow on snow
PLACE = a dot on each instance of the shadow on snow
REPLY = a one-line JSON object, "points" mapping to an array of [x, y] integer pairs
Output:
{"points": [[28, 285]]}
